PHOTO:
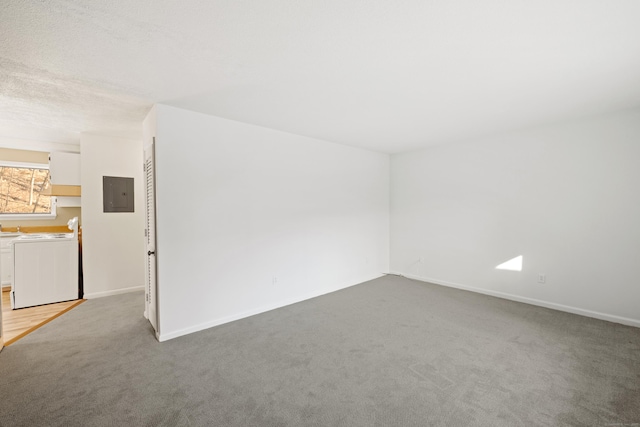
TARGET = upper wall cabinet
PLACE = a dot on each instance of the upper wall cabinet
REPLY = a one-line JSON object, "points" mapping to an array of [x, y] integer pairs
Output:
{"points": [[64, 172], [64, 168]]}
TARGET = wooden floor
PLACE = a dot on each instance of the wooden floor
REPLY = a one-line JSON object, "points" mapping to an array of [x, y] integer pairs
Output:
{"points": [[18, 323]]}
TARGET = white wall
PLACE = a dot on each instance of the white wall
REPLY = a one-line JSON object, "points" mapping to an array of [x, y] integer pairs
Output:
{"points": [[239, 205], [112, 243], [564, 197]]}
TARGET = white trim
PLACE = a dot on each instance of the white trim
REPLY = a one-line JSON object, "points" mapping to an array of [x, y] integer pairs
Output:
{"points": [[217, 322], [113, 292], [24, 165], [560, 307]]}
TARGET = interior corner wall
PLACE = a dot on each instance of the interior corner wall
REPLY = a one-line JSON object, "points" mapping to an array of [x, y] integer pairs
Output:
{"points": [[112, 243], [565, 197], [250, 219]]}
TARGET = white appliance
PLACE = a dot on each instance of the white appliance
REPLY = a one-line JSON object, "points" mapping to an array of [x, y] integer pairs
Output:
{"points": [[45, 268]]}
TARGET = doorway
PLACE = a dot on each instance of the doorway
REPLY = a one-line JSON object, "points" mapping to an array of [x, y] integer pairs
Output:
{"points": [[19, 323]]}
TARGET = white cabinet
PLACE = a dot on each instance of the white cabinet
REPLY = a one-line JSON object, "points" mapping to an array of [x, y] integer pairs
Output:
{"points": [[6, 265], [6, 260], [64, 168], [64, 171]]}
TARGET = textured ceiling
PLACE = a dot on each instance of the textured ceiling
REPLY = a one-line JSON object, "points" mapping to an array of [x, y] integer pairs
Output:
{"points": [[386, 75]]}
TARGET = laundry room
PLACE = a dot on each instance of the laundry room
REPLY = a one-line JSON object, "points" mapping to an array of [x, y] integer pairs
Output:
{"points": [[40, 237]]}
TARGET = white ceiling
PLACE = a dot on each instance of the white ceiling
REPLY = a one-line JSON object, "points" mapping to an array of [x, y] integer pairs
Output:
{"points": [[389, 75]]}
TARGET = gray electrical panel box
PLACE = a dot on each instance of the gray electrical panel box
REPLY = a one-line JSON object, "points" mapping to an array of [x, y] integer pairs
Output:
{"points": [[117, 194]]}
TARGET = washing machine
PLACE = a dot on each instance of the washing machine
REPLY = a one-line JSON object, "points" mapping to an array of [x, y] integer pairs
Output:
{"points": [[45, 268]]}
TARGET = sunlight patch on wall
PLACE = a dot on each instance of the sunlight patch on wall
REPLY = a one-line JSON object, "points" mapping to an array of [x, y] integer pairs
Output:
{"points": [[514, 264]]}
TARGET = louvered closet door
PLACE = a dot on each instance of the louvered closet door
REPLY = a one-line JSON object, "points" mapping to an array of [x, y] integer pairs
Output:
{"points": [[151, 307]]}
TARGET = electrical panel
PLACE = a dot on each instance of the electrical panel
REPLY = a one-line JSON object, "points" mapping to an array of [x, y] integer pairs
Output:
{"points": [[117, 194]]}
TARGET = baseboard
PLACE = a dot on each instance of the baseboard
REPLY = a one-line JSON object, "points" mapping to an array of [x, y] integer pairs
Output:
{"points": [[112, 292], [552, 305], [217, 322]]}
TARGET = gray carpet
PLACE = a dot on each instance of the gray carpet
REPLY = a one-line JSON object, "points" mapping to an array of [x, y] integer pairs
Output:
{"points": [[390, 352]]}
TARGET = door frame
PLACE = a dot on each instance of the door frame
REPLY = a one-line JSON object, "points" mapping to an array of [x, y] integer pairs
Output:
{"points": [[151, 248]]}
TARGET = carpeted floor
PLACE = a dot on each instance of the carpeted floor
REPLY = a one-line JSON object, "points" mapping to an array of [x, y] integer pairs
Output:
{"points": [[390, 352]]}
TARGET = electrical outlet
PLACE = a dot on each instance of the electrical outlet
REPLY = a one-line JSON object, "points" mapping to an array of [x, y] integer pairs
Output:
{"points": [[274, 280], [542, 278]]}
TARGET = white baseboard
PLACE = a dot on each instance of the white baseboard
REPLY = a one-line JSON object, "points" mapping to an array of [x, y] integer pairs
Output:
{"points": [[216, 322], [113, 292], [560, 307]]}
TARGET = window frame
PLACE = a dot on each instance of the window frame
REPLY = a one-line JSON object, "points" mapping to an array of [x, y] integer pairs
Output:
{"points": [[29, 216]]}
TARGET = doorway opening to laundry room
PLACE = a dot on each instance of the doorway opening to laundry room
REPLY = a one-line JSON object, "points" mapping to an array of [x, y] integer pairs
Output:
{"points": [[41, 280]]}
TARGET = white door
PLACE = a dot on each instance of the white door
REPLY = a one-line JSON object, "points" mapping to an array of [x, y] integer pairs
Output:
{"points": [[151, 290]]}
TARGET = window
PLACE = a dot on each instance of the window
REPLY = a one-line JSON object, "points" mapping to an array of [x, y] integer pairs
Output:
{"points": [[24, 189]]}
